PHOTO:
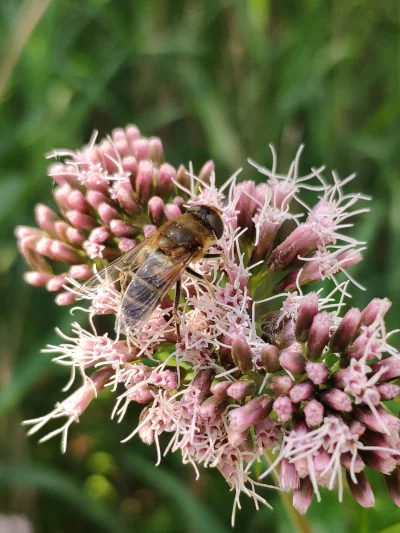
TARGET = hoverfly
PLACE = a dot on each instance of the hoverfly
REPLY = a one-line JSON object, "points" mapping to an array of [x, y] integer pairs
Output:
{"points": [[147, 272]]}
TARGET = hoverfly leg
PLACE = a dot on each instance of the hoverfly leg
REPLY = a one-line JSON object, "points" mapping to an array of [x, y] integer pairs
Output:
{"points": [[213, 256], [195, 274], [175, 310]]}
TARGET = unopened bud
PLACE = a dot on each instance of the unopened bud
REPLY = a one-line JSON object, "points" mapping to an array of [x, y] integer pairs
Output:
{"points": [[318, 336], [281, 384], [302, 497], [270, 358], [301, 392], [346, 330], [211, 408], [392, 481], [307, 310], [249, 414], [284, 408], [314, 413], [376, 307], [240, 389], [155, 207], [241, 355], [336, 400], [292, 358]]}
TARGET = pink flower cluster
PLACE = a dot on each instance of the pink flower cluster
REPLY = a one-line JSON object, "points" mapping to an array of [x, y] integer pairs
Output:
{"points": [[264, 372]]}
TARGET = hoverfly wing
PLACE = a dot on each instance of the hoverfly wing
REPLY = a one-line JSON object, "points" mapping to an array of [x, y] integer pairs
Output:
{"points": [[110, 273], [150, 283]]}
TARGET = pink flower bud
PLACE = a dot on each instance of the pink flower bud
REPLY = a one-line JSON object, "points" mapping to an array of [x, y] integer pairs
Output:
{"points": [[388, 391], [211, 408], [76, 200], [80, 272], [292, 359], [61, 196], [206, 170], [132, 133], [202, 382], [149, 230], [307, 310], [46, 218], [156, 151], [392, 481], [389, 424], [347, 330], [376, 307], [65, 298], [64, 253], [289, 478], [144, 181], [386, 465], [37, 279], [241, 355], [284, 408], [96, 198], [123, 229], [281, 384], [270, 358], [317, 372], [392, 365], [240, 389], [246, 206], [126, 198], [44, 245], [100, 235], [182, 177], [249, 414], [75, 237], [337, 400], [125, 245], [318, 336], [81, 220], [165, 184], [361, 490], [301, 392], [302, 497], [56, 283], [141, 149], [236, 438], [107, 213], [219, 389], [357, 465], [155, 207], [314, 413], [172, 211], [60, 230], [301, 241]]}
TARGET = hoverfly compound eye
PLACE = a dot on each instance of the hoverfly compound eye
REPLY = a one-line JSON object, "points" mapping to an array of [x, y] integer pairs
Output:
{"points": [[216, 224]]}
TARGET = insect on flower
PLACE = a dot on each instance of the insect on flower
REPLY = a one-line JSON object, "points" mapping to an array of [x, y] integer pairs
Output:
{"points": [[147, 273]]}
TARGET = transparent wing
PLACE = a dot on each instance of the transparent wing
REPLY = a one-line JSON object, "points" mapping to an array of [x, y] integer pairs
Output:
{"points": [[126, 263], [150, 283]]}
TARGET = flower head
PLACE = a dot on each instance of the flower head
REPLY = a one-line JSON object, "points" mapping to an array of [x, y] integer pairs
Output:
{"points": [[261, 368]]}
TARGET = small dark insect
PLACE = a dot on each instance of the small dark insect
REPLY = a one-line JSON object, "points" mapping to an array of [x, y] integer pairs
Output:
{"points": [[147, 273]]}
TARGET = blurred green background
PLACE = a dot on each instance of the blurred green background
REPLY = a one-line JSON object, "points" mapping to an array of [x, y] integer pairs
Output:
{"points": [[214, 79]]}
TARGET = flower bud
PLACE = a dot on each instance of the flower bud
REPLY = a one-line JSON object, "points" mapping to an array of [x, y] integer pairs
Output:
{"points": [[301, 392], [96, 198], [318, 336], [211, 408], [307, 310], [74, 236], [37, 279], [281, 384], [302, 497], [317, 372], [202, 382], [292, 359], [336, 400], [80, 272], [205, 172], [155, 207], [80, 220], [126, 199], [156, 151], [76, 200], [240, 389], [144, 181], [314, 413], [392, 365], [249, 414], [56, 283], [107, 213], [388, 391], [165, 185], [376, 307], [284, 408], [241, 355], [386, 465], [46, 218], [123, 229], [141, 149], [172, 211], [65, 298], [361, 490], [288, 476], [219, 389], [182, 177], [387, 423], [346, 330], [351, 463], [64, 253], [270, 358], [236, 438], [392, 481]]}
